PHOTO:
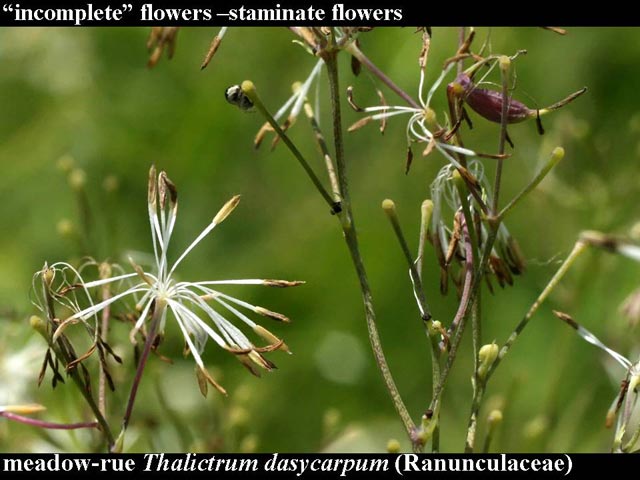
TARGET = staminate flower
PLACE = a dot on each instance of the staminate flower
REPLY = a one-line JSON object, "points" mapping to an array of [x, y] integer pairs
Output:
{"points": [[422, 126], [505, 259], [627, 399], [159, 293], [293, 106]]}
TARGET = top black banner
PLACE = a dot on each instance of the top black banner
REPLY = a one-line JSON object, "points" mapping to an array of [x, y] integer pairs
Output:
{"points": [[299, 13]]}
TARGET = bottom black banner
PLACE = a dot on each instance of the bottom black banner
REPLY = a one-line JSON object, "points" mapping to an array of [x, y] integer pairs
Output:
{"points": [[305, 465]]}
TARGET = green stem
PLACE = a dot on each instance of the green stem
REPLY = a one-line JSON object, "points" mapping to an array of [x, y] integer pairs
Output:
{"points": [[322, 144], [61, 350], [416, 278], [430, 426], [425, 216], [578, 249], [506, 100], [556, 156], [478, 383], [350, 235], [249, 89], [158, 311]]}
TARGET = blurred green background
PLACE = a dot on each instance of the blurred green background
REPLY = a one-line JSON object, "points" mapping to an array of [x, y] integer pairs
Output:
{"points": [[86, 93]]}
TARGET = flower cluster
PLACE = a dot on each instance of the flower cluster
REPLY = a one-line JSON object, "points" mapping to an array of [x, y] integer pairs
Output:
{"points": [[159, 294]]}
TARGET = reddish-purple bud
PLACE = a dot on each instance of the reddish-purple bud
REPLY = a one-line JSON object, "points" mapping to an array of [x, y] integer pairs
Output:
{"points": [[488, 103]]}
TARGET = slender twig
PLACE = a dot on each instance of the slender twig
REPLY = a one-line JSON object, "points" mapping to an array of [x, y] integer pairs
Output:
{"points": [[425, 217], [62, 350], [468, 278], [249, 89], [505, 63], [431, 425], [556, 156], [104, 332], [416, 279], [466, 211], [34, 422], [578, 249], [493, 421], [494, 222], [462, 34], [322, 144], [478, 383], [158, 311], [353, 49], [634, 438], [348, 227], [419, 294]]}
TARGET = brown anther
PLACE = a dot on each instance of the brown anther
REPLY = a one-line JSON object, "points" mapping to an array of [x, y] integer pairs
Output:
{"points": [[565, 317], [350, 100], [213, 48], [283, 283]]}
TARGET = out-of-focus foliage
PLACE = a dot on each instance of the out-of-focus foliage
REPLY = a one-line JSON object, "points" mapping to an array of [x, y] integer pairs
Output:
{"points": [[87, 93]]}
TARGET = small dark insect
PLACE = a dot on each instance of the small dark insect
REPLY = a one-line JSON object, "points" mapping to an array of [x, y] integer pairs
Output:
{"points": [[488, 103], [237, 97]]}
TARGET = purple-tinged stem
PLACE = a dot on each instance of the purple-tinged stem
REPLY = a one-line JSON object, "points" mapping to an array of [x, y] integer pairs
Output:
{"points": [[362, 58], [151, 336], [34, 422]]}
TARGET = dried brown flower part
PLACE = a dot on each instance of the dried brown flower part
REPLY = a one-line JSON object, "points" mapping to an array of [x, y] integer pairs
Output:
{"points": [[161, 38]]}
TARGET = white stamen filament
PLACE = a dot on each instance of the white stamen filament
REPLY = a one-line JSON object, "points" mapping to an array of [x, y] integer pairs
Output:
{"points": [[199, 238], [105, 281], [437, 83], [630, 251], [593, 340]]}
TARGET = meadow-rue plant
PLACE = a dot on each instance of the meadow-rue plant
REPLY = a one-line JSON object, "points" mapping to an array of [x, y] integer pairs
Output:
{"points": [[463, 217]]}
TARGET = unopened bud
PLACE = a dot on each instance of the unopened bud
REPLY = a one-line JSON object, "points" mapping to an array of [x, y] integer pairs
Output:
{"points": [[238, 416], [505, 63], [110, 183], [494, 418], [331, 419], [393, 446], [77, 178], [65, 228], [430, 118], [557, 155], [48, 275], [39, 325], [249, 444], [427, 210], [389, 207], [65, 163], [536, 427], [487, 355]]}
